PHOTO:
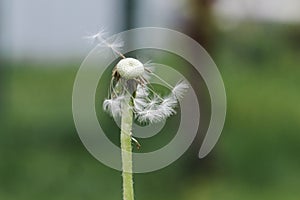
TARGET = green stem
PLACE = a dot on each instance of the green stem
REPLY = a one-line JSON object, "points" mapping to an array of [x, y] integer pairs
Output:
{"points": [[126, 126]]}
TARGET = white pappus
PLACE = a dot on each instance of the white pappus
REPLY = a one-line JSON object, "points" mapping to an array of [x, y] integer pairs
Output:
{"points": [[131, 77]]}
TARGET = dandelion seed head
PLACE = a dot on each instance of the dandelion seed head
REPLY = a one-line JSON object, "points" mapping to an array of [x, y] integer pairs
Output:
{"points": [[130, 68], [131, 75]]}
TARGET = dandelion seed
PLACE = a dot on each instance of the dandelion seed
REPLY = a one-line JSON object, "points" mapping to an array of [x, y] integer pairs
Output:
{"points": [[115, 43], [149, 68], [98, 37], [148, 115], [167, 106], [139, 104], [141, 92], [113, 106], [180, 89], [153, 103]]}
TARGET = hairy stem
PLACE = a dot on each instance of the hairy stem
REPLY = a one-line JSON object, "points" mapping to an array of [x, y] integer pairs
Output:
{"points": [[126, 148]]}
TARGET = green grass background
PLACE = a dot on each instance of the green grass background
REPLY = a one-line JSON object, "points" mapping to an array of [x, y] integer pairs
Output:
{"points": [[257, 156]]}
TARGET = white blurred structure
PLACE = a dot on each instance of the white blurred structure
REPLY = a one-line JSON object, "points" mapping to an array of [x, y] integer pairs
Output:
{"points": [[55, 28], [267, 10]]}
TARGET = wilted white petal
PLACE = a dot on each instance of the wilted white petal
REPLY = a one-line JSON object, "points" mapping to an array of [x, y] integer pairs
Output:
{"points": [[180, 89]]}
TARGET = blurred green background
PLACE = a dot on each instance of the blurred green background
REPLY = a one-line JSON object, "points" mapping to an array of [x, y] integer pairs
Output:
{"points": [[257, 156]]}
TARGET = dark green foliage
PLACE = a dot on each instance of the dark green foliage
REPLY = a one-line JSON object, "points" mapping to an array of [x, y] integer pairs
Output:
{"points": [[257, 156]]}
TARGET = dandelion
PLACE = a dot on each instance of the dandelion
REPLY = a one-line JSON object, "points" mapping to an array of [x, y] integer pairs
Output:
{"points": [[131, 96], [147, 105]]}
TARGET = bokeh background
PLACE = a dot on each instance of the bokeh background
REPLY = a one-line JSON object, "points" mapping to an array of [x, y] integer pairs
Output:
{"points": [[256, 45]]}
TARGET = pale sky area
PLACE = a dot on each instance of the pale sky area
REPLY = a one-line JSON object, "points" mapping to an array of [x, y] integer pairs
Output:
{"points": [[268, 10], [44, 28], [55, 28]]}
